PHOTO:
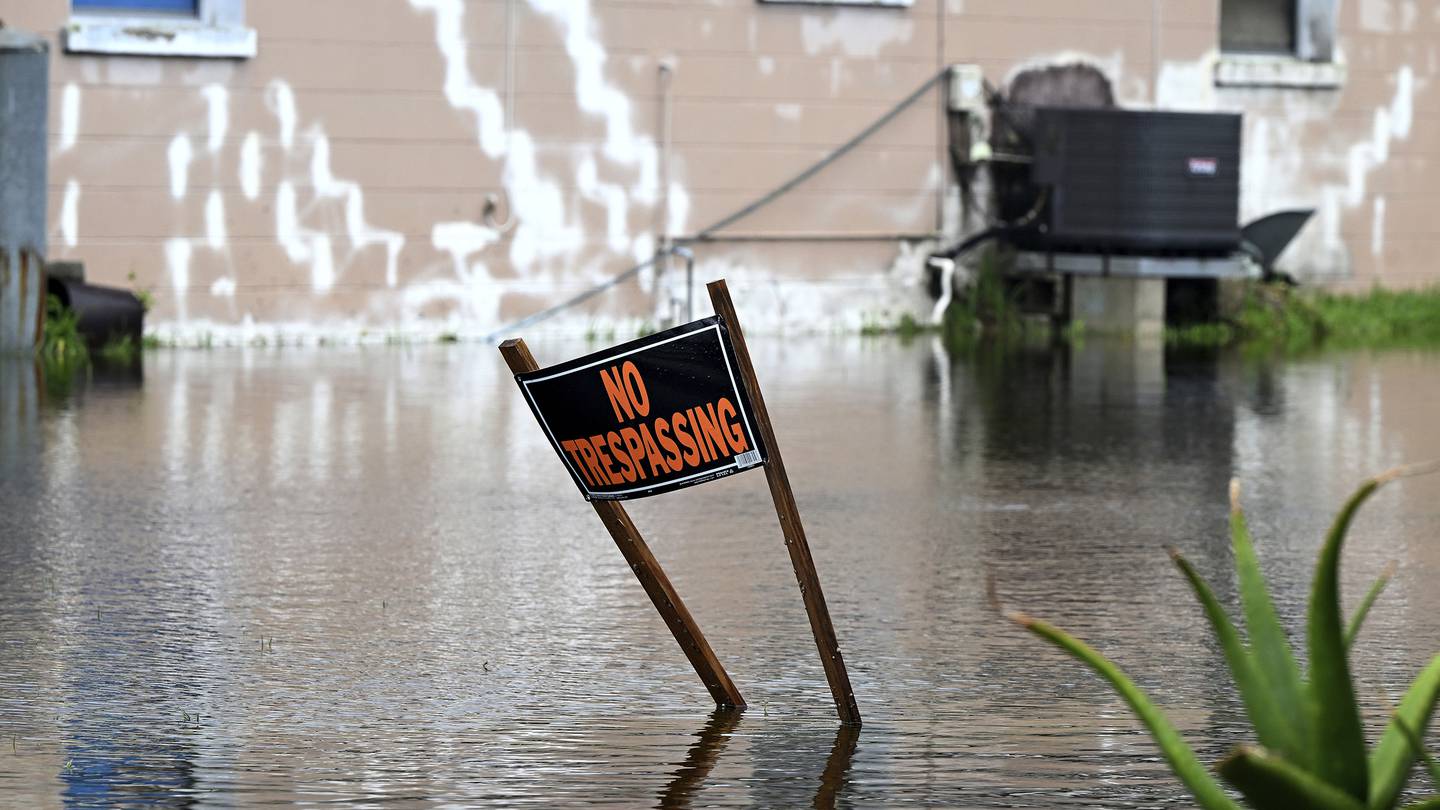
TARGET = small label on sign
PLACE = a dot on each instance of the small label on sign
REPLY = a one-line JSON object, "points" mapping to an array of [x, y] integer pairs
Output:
{"points": [[1204, 166], [747, 459]]}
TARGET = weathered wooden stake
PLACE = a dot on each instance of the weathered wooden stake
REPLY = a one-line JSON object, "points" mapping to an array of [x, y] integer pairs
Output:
{"points": [[789, 515], [647, 569]]}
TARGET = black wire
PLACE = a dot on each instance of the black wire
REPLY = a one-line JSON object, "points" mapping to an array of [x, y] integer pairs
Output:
{"points": [[724, 222]]}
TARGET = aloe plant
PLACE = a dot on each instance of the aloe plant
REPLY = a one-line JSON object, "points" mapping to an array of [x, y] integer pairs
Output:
{"points": [[1310, 748]]}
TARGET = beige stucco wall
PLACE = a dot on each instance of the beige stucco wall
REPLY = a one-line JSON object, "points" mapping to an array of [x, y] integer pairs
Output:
{"points": [[332, 186]]}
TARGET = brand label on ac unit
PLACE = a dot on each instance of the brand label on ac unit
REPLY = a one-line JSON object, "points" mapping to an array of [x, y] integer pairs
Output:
{"points": [[1204, 166]]}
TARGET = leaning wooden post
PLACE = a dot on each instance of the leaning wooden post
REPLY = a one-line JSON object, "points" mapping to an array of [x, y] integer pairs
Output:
{"points": [[789, 516], [647, 569]]}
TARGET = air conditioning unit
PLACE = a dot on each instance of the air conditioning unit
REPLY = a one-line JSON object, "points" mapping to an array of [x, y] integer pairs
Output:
{"points": [[1115, 181]]}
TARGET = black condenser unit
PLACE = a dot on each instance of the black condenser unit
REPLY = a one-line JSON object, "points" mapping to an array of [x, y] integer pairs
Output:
{"points": [[1107, 180]]}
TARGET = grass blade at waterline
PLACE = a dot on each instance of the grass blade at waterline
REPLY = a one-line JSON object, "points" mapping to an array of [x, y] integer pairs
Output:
{"points": [[1417, 745], [1358, 620], [1274, 660], [1270, 725], [1335, 716], [1271, 783], [1182, 760], [1393, 757]]}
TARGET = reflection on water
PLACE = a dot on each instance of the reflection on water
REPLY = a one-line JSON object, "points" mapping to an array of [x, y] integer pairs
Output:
{"points": [[362, 576]]}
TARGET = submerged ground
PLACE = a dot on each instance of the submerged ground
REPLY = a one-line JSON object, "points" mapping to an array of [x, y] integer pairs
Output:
{"points": [[361, 575]]}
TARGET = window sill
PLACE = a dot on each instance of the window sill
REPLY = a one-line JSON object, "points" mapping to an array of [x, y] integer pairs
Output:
{"points": [[151, 36], [1255, 70], [881, 3]]}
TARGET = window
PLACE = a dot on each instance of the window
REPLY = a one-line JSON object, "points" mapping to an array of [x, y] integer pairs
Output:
{"points": [[189, 8], [200, 28], [895, 3], [1278, 43], [1257, 26]]}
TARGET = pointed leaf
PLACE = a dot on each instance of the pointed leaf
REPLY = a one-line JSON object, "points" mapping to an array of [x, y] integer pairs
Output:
{"points": [[1274, 660], [1335, 717], [1273, 729], [1358, 620], [1187, 768], [1417, 746], [1271, 783], [1390, 763]]}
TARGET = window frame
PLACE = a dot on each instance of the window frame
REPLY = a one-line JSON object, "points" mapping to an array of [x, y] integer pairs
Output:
{"points": [[216, 30], [1312, 65], [857, 3]]}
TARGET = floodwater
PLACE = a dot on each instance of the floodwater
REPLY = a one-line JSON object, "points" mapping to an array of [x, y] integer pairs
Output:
{"points": [[361, 576]]}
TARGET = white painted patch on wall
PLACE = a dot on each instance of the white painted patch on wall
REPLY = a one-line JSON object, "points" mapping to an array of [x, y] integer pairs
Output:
{"points": [[177, 259], [215, 220], [767, 65], [302, 246], [70, 214], [857, 33], [679, 213], [357, 228], [69, 116], [460, 89], [223, 287], [789, 112], [1377, 16], [250, 166], [1390, 123], [217, 98], [179, 156], [280, 100], [1377, 225]]}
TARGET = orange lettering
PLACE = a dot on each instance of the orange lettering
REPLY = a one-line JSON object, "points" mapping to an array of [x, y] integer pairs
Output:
{"points": [[574, 453], [733, 433], [615, 390], [672, 450], [627, 469], [634, 448], [589, 453], [639, 398], [696, 414], [690, 454], [652, 452], [710, 425]]}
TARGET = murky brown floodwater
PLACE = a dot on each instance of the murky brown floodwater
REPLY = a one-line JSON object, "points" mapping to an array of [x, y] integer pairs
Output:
{"points": [[360, 575]]}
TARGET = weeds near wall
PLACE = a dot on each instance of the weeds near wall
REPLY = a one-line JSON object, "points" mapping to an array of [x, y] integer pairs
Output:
{"points": [[988, 311], [1311, 750], [62, 348]]}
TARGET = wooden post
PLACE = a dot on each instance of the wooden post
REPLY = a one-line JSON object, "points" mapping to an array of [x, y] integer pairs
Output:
{"points": [[789, 516], [652, 577]]}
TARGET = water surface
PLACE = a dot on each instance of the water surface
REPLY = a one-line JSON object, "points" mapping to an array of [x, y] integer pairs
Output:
{"points": [[361, 576]]}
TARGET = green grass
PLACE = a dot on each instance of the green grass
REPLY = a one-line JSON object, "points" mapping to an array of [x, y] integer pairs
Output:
{"points": [[1298, 320], [62, 348], [1310, 750]]}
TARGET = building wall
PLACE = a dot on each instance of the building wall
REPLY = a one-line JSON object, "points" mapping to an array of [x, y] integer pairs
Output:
{"points": [[333, 185]]}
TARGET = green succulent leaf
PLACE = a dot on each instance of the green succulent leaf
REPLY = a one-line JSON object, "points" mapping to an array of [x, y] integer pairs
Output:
{"points": [[1274, 660], [1187, 768], [1271, 783], [1335, 716], [1273, 728], [1417, 745], [1358, 620], [1390, 763]]}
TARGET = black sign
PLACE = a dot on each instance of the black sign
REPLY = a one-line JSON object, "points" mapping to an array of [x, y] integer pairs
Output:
{"points": [[655, 414]]}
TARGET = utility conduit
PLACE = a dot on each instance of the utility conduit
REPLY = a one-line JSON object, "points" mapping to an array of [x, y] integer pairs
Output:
{"points": [[745, 211]]}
